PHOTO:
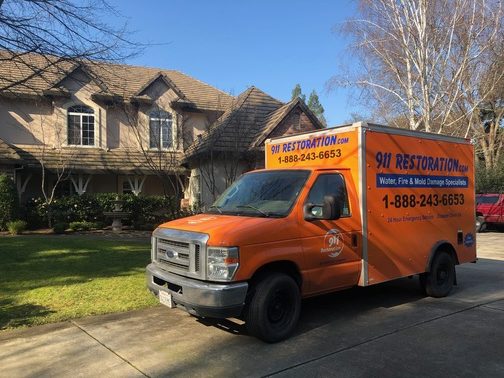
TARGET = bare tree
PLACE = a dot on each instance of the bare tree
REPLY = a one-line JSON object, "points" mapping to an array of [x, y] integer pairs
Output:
{"points": [[219, 167], [62, 32], [428, 65], [162, 162], [55, 162]]}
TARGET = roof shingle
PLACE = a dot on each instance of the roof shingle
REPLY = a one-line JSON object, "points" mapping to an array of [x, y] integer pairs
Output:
{"points": [[8, 154], [95, 160], [32, 74], [237, 127]]}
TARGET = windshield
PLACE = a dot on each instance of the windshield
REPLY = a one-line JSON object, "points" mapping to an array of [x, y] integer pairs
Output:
{"points": [[487, 199], [261, 194]]}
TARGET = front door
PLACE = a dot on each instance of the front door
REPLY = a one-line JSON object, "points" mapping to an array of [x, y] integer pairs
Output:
{"points": [[332, 248]]}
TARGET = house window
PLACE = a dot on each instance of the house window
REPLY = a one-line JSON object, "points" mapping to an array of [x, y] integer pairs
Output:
{"points": [[161, 132], [81, 130]]}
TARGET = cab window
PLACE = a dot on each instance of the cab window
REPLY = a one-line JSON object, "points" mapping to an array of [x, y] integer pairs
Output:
{"points": [[330, 184]]}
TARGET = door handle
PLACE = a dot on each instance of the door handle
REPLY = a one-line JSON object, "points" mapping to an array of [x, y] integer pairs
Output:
{"points": [[354, 240]]}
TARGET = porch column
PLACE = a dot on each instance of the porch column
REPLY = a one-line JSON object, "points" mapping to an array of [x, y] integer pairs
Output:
{"points": [[21, 184], [80, 183], [136, 184]]}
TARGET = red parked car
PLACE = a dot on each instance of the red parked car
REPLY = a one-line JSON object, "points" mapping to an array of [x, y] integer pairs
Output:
{"points": [[489, 210]]}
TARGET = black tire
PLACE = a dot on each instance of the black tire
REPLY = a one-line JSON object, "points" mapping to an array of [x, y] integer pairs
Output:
{"points": [[273, 311], [441, 278], [422, 278], [480, 224]]}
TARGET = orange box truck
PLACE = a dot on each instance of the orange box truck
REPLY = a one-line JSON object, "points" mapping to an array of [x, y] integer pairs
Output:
{"points": [[354, 205]]}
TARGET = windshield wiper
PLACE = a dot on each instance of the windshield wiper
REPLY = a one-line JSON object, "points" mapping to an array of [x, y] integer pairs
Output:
{"points": [[253, 208], [216, 207]]}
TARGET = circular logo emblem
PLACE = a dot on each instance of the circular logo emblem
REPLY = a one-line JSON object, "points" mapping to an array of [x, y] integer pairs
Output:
{"points": [[333, 243], [171, 254]]}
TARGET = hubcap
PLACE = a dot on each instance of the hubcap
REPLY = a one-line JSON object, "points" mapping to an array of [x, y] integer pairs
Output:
{"points": [[442, 275], [279, 307]]}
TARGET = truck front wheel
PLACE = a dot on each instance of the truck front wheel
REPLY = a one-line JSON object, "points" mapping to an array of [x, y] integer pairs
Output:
{"points": [[274, 308], [439, 281]]}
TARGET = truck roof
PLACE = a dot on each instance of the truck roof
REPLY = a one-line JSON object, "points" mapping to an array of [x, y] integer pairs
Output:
{"points": [[381, 128]]}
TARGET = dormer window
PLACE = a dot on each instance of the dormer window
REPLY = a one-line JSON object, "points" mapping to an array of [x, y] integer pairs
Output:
{"points": [[160, 129], [81, 129]]}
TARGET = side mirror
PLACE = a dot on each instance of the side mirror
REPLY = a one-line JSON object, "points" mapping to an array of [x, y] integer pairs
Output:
{"points": [[328, 210]]}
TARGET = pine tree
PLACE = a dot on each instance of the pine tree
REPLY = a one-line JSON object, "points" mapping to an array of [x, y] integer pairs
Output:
{"points": [[316, 107], [297, 92]]}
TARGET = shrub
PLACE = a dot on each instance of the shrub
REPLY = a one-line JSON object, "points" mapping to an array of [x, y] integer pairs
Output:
{"points": [[145, 211], [16, 227], [9, 203], [60, 228], [82, 226]]}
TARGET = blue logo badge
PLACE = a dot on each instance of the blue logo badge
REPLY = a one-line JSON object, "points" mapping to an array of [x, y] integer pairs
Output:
{"points": [[469, 240]]}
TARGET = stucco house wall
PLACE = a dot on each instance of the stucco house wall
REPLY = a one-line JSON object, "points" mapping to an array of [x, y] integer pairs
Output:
{"points": [[215, 136]]}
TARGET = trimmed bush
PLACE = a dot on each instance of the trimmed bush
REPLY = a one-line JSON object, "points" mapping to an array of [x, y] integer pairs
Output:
{"points": [[9, 202], [60, 228], [16, 227], [82, 226]]}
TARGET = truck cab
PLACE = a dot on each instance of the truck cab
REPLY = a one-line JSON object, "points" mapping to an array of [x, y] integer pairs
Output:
{"points": [[269, 221], [489, 210]]}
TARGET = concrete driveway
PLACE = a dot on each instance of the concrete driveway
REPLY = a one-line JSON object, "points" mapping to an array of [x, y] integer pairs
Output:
{"points": [[385, 330]]}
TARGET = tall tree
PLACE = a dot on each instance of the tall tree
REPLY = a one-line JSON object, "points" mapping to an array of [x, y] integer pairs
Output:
{"points": [[430, 65], [316, 107], [297, 92]]}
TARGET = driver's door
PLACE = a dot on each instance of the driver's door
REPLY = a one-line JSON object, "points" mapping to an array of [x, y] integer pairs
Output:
{"points": [[332, 248]]}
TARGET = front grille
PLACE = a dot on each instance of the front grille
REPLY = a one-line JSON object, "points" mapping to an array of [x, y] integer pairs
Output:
{"points": [[173, 243], [178, 256], [174, 264], [197, 258]]}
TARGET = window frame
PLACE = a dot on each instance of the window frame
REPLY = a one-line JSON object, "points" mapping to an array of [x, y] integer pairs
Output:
{"points": [[77, 110], [157, 116], [345, 192]]}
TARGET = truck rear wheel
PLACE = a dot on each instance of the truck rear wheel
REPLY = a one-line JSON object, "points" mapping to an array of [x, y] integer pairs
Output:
{"points": [[274, 309], [439, 281]]}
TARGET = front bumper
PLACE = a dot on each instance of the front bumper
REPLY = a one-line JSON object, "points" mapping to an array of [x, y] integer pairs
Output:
{"points": [[200, 298]]}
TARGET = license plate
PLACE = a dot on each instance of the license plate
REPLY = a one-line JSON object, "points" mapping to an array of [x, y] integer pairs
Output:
{"points": [[166, 299]]}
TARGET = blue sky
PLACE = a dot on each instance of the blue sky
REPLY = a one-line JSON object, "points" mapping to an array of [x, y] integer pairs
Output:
{"points": [[234, 44]]}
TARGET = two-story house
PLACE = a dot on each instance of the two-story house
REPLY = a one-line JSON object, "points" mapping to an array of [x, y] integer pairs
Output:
{"points": [[100, 127]]}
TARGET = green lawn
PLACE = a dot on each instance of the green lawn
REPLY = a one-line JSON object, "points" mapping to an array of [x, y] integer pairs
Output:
{"points": [[45, 279]]}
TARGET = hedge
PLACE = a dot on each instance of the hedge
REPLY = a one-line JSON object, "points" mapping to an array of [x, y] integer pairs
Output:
{"points": [[146, 212], [9, 202]]}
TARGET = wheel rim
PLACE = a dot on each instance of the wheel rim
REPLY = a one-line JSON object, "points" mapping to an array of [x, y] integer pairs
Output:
{"points": [[280, 308], [443, 275]]}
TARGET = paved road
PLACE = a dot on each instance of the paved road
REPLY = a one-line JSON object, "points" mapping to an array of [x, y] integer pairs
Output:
{"points": [[385, 330]]}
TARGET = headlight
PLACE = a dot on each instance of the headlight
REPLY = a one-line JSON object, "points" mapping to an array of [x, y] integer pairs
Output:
{"points": [[222, 263]]}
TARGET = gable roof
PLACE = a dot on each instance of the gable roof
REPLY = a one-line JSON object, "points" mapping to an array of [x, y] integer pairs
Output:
{"points": [[273, 120], [247, 123], [30, 74], [236, 128], [33, 74]]}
